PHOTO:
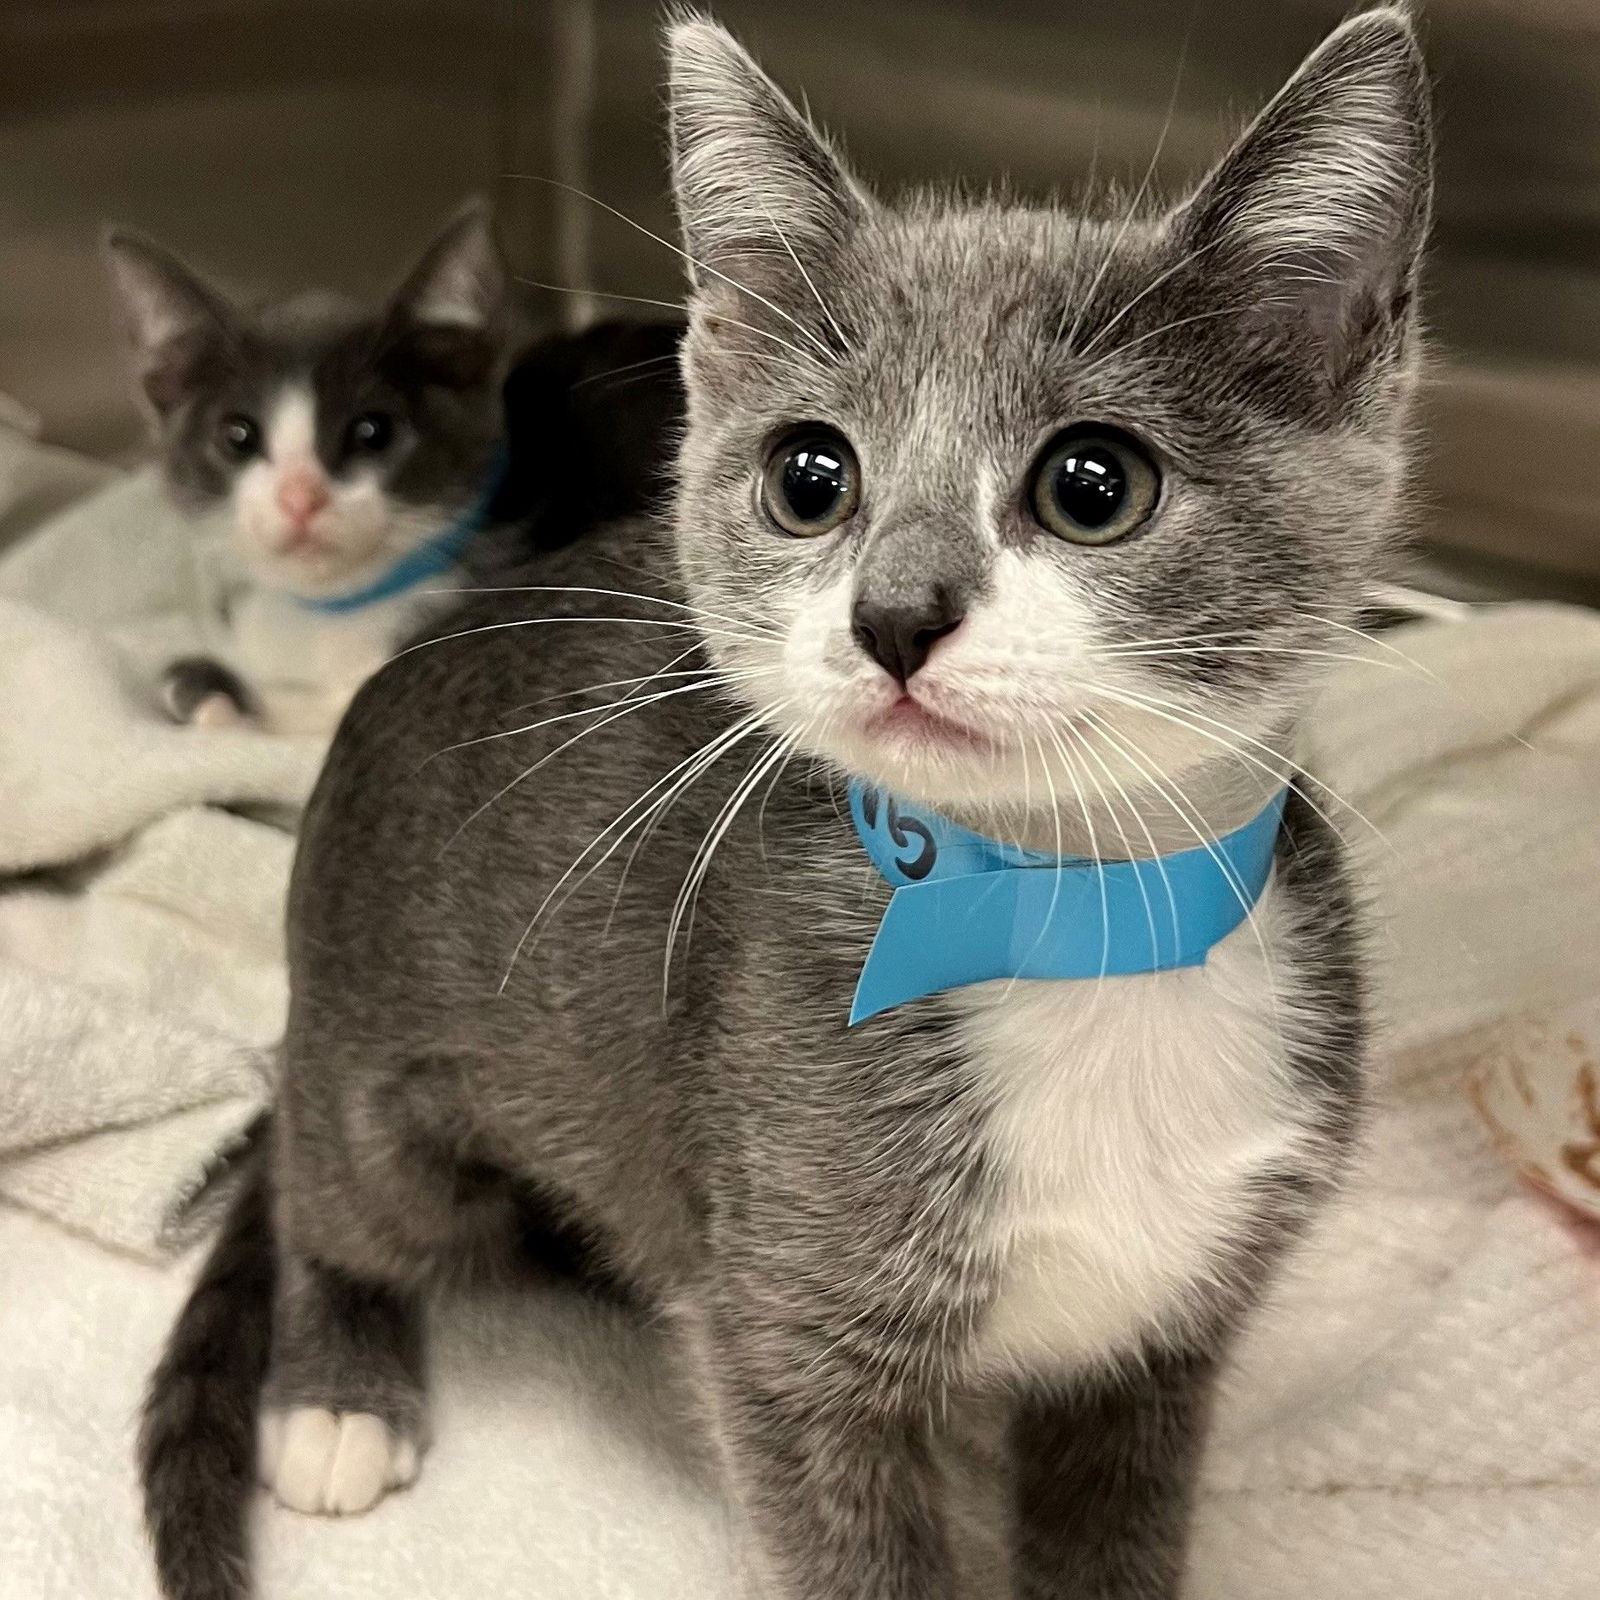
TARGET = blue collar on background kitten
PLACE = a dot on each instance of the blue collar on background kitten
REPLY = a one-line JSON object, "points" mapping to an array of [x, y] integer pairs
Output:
{"points": [[967, 909], [430, 560]]}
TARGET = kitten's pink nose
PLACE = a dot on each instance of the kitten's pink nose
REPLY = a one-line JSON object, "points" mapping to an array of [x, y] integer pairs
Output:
{"points": [[301, 495]]}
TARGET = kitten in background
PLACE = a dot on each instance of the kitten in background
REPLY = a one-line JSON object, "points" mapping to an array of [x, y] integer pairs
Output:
{"points": [[343, 464]]}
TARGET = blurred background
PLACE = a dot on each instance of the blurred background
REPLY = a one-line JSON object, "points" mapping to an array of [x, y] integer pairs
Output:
{"points": [[283, 143]]}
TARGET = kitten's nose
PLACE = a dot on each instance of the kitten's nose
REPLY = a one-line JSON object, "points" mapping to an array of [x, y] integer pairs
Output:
{"points": [[301, 495], [900, 637]]}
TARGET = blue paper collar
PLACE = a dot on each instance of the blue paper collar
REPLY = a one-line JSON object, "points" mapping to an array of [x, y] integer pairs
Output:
{"points": [[967, 909], [430, 560]]}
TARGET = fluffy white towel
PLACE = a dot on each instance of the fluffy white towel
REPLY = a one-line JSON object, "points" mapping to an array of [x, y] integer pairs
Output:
{"points": [[141, 975]]}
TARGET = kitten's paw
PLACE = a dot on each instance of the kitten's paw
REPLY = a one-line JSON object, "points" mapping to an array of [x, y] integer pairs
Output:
{"points": [[333, 1464], [205, 694], [217, 711]]}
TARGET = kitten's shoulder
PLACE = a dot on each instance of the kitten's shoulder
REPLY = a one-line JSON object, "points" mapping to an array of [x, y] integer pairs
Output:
{"points": [[502, 645]]}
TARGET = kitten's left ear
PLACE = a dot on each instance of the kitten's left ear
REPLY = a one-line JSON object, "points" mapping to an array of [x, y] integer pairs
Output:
{"points": [[461, 281], [1314, 222]]}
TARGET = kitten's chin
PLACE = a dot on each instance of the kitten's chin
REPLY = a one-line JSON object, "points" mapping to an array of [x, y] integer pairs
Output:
{"points": [[320, 571], [929, 756], [908, 725]]}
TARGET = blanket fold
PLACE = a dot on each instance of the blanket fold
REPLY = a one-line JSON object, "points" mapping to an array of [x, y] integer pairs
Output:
{"points": [[141, 967]]}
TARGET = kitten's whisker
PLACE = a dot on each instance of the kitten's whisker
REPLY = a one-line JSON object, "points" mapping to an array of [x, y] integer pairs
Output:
{"points": [[1185, 260], [670, 305], [1139, 193], [1079, 223], [1100, 870], [761, 811], [1191, 817], [1094, 755], [1155, 333], [1055, 887], [1285, 765], [649, 820], [619, 379], [756, 629], [787, 744], [1420, 668], [630, 702], [682, 908], [1124, 646], [1279, 765], [833, 321], [1373, 639], [529, 622], [1027, 814], [630, 366], [1266, 650], [614, 715], [657, 817], [1237, 639], [667, 669], [692, 766], [1279, 769], [1027, 797], [617, 683], [639, 227], [631, 299]]}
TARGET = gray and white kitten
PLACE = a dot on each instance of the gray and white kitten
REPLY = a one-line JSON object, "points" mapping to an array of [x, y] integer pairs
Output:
{"points": [[318, 443], [1044, 519]]}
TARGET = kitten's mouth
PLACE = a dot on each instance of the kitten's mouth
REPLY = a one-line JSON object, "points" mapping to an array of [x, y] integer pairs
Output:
{"points": [[305, 545], [907, 720]]}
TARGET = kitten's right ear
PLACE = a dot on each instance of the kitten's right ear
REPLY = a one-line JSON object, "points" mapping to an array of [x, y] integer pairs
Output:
{"points": [[171, 313], [754, 180]]}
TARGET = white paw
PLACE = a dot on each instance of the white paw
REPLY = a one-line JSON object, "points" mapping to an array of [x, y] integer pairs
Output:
{"points": [[332, 1465]]}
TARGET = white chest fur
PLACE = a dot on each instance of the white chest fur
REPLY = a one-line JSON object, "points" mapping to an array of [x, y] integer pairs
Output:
{"points": [[304, 664], [1126, 1119]]}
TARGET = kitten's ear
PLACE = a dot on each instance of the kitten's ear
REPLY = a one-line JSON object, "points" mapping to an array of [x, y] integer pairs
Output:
{"points": [[1316, 218], [461, 281], [172, 314], [753, 179]]}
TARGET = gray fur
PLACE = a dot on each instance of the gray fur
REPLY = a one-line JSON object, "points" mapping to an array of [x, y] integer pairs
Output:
{"points": [[491, 1020]]}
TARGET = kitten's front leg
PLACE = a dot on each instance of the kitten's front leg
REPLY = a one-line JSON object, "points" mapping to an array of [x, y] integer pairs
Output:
{"points": [[844, 1502], [1105, 1477]]}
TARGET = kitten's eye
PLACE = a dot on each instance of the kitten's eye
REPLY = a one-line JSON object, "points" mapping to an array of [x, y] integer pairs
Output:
{"points": [[1094, 487], [812, 484], [240, 436], [371, 432]]}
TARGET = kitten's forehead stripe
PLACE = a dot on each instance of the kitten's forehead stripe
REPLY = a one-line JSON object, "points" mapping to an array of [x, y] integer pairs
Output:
{"points": [[290, 428]]}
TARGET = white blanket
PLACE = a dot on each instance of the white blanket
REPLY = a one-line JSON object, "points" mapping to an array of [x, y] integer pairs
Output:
{"points": [[141, 973], [1415, 1419]]}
